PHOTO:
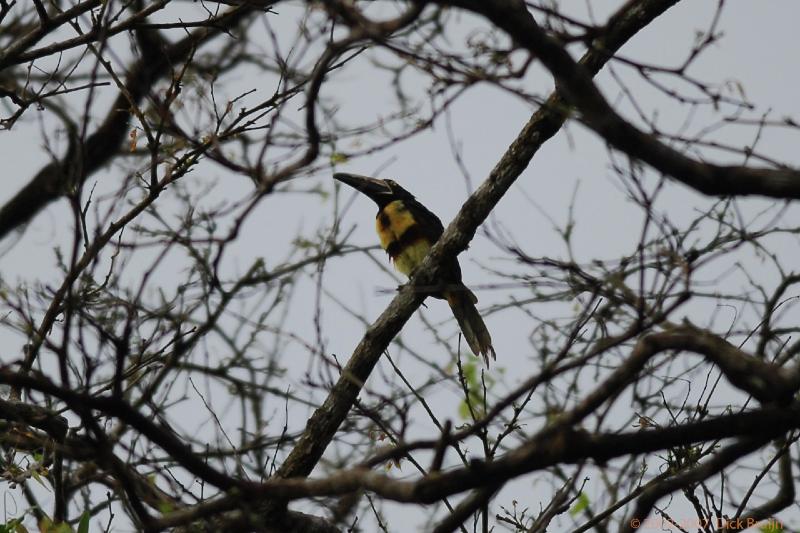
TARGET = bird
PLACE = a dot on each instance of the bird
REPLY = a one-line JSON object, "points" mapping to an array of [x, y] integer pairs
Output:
{"points": [[407, 231]]}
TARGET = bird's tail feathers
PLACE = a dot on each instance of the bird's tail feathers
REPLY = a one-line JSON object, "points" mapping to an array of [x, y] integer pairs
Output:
{"points": [[462, 303]]}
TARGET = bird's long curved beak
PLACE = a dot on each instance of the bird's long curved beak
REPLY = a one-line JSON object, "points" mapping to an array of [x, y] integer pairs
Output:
{"points": [[372, 187]]}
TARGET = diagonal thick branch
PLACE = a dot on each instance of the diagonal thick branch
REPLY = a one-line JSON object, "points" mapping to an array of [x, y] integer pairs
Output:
{"points": [[574, 82], [325, 421]]}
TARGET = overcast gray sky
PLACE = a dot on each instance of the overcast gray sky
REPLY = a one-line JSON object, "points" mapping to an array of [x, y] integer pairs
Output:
{"points": [[757, 53]]}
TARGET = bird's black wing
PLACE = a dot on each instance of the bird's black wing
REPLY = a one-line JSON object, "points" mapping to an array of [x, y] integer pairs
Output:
{"points": [[431, 228], [429, 224]]}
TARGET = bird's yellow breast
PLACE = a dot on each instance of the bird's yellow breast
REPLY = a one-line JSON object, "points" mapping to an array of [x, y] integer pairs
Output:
{"points": [[392, 223]]}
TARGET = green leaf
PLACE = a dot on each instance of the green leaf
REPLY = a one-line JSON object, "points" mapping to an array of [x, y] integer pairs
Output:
{"points": [[337, 158], [772, 526], [13, 526], [580, 505], [38, 477], [83, 525], [471, 375], [474, 391], [463, 410]]}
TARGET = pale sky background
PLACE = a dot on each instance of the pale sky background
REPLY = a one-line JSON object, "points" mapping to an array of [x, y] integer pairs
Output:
{"points": [[757, 50]]}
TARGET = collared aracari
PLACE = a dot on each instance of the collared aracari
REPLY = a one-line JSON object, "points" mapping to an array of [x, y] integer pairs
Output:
{"points": [[407, 230]]}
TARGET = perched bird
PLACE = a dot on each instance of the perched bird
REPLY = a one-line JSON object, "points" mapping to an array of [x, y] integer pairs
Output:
{"points": [[407, 230]]}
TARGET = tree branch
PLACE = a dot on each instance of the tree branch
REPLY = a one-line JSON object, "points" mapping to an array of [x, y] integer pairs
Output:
{"points": [[575, 83], [563, 447], [53, 180], [325, 421]]}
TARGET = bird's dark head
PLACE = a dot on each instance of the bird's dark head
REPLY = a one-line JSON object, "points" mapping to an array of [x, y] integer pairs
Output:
{"points": [[381, 191]]}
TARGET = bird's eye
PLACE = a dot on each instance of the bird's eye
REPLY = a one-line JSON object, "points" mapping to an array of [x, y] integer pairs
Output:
{"points": [[391, 183]]}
